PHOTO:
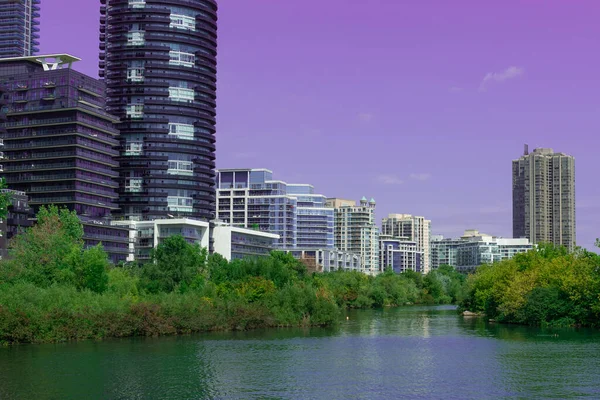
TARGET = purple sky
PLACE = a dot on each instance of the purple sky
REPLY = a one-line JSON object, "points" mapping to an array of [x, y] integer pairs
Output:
{"points": [[389, 98]]}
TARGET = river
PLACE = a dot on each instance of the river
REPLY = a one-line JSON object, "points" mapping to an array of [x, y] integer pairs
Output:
{"points": [[409, 352]]}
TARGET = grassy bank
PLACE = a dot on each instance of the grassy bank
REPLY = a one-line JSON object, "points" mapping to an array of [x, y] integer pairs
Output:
{"points": [[53, 290], [548, 286]]}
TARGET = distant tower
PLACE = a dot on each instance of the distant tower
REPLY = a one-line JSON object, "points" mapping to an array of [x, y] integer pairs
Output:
{"points": [[544, 197], [19, 28]]}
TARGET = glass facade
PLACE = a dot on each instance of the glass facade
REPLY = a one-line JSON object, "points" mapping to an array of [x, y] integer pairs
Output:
{"points": [[19, 28], [59, 146], [469, 252], [159, 63], [250, 198]]}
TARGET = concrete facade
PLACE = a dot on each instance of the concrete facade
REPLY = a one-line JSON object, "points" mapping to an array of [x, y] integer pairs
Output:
{"points": [[356, 231], [230, 242], [413, 228], [474, 249], [400, 255]]}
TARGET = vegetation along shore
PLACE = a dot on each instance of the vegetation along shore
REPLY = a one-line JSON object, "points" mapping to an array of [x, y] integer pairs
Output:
{"points": [[53, 290]]}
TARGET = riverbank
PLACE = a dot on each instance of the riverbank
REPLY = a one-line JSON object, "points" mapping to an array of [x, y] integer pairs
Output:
{"points": [[548, 286], [54, 290], [30, 314]]}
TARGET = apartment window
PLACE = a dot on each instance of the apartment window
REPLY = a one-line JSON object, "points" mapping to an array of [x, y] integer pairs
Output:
{"points": [[178, 203], [133, 185], [181, 131], [181, 94], [134, 148], [137, 3], [135, 38], [135, 74], [135, 110], [183, 22], [178, 167], [181, 58]]}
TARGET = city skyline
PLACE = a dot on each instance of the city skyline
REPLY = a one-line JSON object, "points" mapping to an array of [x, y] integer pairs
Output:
{"points": [[427, 117]]}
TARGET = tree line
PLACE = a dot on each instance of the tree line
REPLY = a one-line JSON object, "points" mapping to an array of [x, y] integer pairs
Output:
{"points": [[53, 289]]}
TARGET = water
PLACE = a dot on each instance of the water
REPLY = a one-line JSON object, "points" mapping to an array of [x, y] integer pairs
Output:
{"points": [[411, 352]]}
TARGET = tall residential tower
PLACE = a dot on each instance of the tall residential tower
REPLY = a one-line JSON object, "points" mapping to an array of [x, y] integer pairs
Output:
{"points": [[544, 197], [159, 62], [19, 28]]}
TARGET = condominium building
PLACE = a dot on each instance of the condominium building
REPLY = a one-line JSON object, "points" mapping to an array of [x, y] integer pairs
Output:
{"points": [[250, 198], [230, 242], [159, 64], [328, 260], [356, 231], [413, 228], [474, 249], [59, 143], [544, 197], [19, 28], [400, 255]]}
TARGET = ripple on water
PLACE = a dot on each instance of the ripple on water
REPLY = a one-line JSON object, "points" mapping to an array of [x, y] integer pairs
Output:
{"points": [[411, 352]]}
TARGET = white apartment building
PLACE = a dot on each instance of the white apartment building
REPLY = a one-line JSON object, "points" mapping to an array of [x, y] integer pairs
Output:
{"points": [[356, 231], [413, 228]]}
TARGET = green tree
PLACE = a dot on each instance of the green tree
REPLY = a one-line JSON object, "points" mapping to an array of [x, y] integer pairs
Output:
{"points": [[175, 264], [91, 269], [45, 253]]}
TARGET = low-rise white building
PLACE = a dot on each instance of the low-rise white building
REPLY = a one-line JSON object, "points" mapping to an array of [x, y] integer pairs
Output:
{"points": [[230, 242], [474, 249], [329, 260]]}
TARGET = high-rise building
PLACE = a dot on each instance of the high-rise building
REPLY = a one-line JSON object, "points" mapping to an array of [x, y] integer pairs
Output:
{"points": [[544, 197], [59, 144], [159, 62], [19, 28], [413, 228], [474, 249], [356, 231], [250, 198]]}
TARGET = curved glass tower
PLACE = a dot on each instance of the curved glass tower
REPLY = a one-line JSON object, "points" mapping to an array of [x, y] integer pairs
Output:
{"points": [[159, 62]]}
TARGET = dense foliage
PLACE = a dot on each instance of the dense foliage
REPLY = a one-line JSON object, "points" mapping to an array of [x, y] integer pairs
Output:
{"points": [[54, 290], [547, 286]]}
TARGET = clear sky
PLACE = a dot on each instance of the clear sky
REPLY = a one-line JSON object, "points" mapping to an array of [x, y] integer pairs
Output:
{"points": [[419, 104]]}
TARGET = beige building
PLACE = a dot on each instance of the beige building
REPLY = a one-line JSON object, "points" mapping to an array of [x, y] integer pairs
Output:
{"points": [[544, 197], [356, 231], [413, 228]]}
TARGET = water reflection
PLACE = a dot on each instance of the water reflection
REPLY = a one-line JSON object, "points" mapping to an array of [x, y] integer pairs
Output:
{"points": [[411, 352]]}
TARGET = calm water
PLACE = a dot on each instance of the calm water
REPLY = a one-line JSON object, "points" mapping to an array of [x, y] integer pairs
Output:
{"points": [[413, 352]]}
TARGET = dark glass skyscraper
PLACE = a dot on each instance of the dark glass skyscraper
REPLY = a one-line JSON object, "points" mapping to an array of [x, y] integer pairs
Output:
{"points": [[159, 62], [19, 28], [59, 144]]}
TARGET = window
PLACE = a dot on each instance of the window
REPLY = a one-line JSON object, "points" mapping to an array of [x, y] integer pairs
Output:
{"points": [[182, 58], [135, 74], [183, 22], [134, 148], [178, 167], [177, 203], [135, 110], [137, 3], [181, 94], [133, 185], [135, 38], [181, 131]]}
